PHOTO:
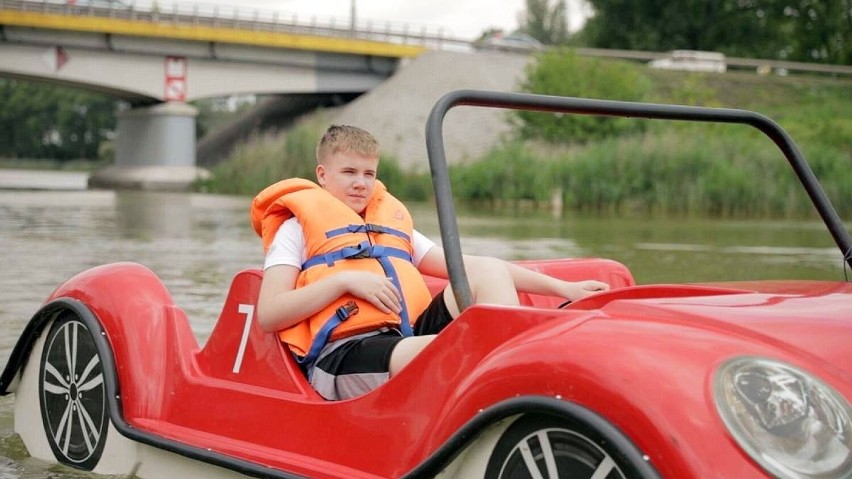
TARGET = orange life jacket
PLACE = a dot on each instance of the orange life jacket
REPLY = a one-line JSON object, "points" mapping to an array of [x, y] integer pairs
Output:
{"points": [[338, 239]]}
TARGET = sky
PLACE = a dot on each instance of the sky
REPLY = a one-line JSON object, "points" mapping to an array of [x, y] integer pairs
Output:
{"points": [[465, 19]]}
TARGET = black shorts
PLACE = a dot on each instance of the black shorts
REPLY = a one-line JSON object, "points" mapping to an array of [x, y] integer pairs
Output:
{"points": [[353, 366]]}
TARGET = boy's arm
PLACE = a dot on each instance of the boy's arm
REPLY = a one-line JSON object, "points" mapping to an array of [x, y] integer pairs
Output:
{"points": [[529, 281], [281, 305], [525, 280]]}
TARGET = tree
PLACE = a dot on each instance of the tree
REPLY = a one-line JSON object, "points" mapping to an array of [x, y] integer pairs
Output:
{"points": [[544, 22], [822, 30], [563, 72], [804, 30], [44, 121]]}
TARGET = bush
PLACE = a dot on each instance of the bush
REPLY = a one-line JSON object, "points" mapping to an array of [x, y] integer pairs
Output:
{"points": [[563, 73], [404, 185], [510, 172]]}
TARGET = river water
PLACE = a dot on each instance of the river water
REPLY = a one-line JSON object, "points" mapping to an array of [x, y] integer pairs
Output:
{"points": [[197, 242]]}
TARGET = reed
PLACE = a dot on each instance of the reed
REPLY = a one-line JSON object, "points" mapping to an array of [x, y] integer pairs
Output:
{"points": [[267, 158], [686, 170]]}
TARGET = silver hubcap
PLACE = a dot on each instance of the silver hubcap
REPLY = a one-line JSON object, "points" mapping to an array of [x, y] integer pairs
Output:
{"points": [[73, 395]]}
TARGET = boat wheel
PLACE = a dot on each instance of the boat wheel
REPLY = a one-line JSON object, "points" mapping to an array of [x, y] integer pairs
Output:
{"points": [[551, 448], [72, 393]]}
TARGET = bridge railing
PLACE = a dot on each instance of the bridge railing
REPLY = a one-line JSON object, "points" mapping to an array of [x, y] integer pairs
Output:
{"points": [[226, 16]]}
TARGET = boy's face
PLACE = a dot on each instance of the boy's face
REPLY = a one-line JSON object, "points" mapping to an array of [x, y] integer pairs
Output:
{"points": [[349, 177]]}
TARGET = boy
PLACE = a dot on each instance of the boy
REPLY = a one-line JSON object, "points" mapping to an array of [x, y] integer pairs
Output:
{"points": [[342, 278]]}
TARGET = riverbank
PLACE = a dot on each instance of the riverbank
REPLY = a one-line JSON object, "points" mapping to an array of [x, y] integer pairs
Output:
{"points": [[668, 167], [30, 179]]}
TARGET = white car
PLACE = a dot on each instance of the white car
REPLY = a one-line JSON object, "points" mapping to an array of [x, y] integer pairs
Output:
{"points": [[693, 61], [513, 42]]}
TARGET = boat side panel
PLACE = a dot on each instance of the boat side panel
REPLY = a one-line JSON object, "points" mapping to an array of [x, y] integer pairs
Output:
{"points": [[239, 350], [149, 336]]}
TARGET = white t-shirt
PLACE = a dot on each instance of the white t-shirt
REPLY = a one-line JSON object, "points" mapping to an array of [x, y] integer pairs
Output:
{"points": [[288, 246]]}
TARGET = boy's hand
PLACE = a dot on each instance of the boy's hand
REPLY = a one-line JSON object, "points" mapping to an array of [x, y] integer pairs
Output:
{"points": [[581, 289], [376, 289]]}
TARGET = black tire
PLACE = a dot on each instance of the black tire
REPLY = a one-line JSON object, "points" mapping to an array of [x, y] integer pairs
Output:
{"points": [[554, 448], [72, 393]]}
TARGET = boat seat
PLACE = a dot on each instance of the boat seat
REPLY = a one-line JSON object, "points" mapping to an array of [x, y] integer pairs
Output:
{"points": [[239, 350]]}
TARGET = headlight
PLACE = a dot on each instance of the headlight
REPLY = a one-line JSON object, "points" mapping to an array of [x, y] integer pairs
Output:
{"points": [[791, 423]]}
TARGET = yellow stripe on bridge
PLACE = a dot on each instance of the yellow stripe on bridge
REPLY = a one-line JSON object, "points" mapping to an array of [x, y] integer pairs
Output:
{"points": [[203, 33]]}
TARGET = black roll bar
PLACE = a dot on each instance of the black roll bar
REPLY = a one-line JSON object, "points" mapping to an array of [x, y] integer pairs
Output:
{"points": [[582, 106]]}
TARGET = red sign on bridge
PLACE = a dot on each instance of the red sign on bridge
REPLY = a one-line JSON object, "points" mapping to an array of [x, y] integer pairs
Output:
{"points": [[175, 79]]}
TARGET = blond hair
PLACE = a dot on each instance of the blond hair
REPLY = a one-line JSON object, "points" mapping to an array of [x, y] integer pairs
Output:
{"points": [[346, 138]]}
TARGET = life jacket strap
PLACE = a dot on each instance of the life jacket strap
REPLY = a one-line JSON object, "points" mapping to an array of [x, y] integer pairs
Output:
{"points": [[381, 253], [367, 228], [350, 308], [405, 322], [361, 250]]}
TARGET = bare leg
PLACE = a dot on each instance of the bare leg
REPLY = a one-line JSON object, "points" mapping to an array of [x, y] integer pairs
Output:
{"points": [[406, 350], [490, 282]]}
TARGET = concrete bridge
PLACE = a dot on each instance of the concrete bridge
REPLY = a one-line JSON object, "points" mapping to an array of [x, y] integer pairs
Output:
{"points": [[157, 60]]}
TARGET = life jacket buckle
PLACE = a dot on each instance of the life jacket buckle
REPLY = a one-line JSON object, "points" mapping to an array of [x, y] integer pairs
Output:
{"points": [[350, 308], [364, 251]]}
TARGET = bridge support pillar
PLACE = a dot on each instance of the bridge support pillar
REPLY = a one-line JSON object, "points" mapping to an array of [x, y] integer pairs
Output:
{"points": [[154, 150]]}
